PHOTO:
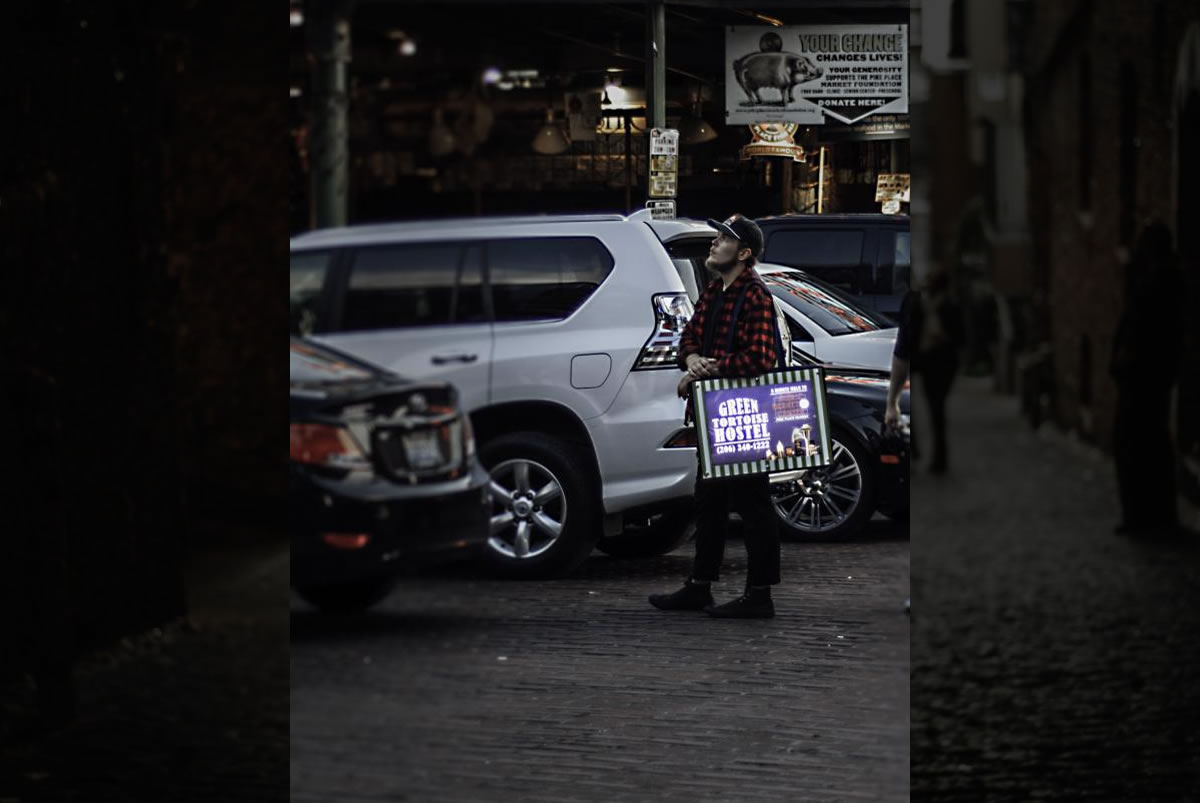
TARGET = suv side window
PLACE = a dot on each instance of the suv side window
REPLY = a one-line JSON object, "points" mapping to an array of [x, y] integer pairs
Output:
{"points": [[307, 278], [689, 255], [467, 303], [547, 277], [832, 254], [399, 286]]}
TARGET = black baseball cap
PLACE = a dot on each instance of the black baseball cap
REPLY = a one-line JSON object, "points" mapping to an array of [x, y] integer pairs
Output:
{"points": [[742, 229]]}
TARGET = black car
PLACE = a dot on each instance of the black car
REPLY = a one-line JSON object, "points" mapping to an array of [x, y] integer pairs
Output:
{"points": [[384, 478], [867, 255], [869, 472]]}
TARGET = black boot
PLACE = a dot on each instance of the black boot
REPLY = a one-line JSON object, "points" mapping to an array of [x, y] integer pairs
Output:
{"points": [[754, 604], [692, 597]]}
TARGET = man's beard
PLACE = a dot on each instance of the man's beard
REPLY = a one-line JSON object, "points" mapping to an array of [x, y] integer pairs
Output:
{"points": [[721, 267]]}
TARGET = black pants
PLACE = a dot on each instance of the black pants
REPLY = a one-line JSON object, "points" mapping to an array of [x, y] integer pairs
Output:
{"points": [[750, 497], [1144, 456], [938, 373]]}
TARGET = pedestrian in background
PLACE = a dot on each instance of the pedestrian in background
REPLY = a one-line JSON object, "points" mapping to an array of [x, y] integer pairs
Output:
{"points": [[938, 330], [1145, 365], [713, 344]]}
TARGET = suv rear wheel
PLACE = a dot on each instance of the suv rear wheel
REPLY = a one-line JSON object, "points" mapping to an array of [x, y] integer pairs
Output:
{"points": [[545, 516]]}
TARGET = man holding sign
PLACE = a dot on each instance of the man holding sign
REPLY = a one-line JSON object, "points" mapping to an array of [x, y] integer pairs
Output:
{"points": [[715, 345]]}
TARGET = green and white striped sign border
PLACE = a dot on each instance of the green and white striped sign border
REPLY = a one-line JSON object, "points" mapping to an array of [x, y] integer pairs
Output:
{"points": [[762, 466]]}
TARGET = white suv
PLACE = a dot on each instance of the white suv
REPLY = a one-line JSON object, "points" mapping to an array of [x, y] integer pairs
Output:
{"points": [[560, 334]]}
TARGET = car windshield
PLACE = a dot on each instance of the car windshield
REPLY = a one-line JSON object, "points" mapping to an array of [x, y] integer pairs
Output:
{"points": [[826, 306], [312, 365]]}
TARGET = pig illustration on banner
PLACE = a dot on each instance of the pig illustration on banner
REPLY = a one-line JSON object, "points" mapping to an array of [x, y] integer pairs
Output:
{"points": [[780, 70]]}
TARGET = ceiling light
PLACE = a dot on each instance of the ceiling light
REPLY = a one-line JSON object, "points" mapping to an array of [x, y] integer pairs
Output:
{"points": [[297, 17], [550, 138]]}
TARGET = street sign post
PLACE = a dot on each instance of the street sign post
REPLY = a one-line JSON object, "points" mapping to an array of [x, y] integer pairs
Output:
{"points": [[664, 164], [661, 210]]}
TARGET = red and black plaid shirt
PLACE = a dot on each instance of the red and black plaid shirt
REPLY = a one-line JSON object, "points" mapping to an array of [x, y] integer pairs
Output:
{"points": [[753, 351]]}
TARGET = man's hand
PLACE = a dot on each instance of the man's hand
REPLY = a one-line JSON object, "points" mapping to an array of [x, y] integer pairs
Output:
{"points": [[701, 367], [891, 416]]}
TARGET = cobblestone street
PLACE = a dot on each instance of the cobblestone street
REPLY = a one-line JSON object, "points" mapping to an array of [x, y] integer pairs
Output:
{"points": [[1052, 659], [463, 688]]}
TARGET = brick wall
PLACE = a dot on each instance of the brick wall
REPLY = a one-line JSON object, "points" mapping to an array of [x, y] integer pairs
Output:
{"points": [[1085, 271]]}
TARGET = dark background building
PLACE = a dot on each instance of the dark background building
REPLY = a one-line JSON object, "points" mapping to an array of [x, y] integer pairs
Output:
{"points": [[142, 322], [1066, 136], [444, 102]]}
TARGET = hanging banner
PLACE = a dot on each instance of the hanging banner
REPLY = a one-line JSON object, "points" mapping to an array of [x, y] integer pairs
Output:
{"points": [[805, 73]]}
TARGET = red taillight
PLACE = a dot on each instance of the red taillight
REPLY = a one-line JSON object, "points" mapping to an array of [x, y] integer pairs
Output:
{"points": [[325, 445], [346, 540], [889, 459], [683, 439], [672, 311]]}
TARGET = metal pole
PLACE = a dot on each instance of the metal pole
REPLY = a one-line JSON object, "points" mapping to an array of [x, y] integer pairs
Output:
{"points": [[787, 185], [628, 162], [329, 45], [821, 182], [658, 64]]}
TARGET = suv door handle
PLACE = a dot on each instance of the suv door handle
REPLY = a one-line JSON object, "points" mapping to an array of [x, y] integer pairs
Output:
{"points": [[442, 359]]}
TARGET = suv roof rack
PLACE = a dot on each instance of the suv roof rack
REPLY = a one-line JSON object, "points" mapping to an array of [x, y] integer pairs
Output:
{"points": [[369, 230]]}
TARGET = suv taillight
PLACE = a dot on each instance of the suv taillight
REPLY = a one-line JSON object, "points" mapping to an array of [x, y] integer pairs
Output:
{"points": [[327, 446], [672, 311]]}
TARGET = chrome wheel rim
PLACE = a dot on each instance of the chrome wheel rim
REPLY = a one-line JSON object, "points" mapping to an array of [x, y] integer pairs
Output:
{"points": [[529, 509], [817, 500]]}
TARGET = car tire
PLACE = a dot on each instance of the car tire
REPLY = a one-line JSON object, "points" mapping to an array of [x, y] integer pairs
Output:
{"points": [[348, 598], [795, 519], [651, 536], [545, 517]]}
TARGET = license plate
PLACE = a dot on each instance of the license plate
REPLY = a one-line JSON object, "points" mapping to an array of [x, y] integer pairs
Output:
{"points": [[422, 450]]}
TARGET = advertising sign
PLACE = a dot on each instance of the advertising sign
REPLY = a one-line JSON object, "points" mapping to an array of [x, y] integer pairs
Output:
{"points": [[760, 425], [803, 73]]}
